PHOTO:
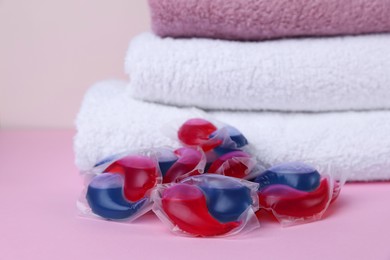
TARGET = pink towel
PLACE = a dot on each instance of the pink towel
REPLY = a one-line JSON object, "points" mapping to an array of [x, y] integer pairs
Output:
{"points": [[267, 19]]}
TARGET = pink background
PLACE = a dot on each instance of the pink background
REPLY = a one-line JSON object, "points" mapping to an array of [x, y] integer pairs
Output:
{"points": [[52, 51], [39, 219]]}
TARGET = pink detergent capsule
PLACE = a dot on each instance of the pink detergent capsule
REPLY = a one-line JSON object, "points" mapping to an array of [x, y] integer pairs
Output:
{"points": [[186, 206], [185, 166], [196, 132], [140, 173], [231, 164]]}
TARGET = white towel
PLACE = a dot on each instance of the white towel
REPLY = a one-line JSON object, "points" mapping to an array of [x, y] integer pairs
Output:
{"points": [[356, 144], [306, 74]]}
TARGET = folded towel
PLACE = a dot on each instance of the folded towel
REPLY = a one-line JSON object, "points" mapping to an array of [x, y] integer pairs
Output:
{"points": [[264, 19], [314, 74], [356, 144]]}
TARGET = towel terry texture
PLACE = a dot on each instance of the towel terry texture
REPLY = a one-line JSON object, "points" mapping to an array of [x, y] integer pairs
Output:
{"points": [[356, 144], [264, 19], [327, 74]]}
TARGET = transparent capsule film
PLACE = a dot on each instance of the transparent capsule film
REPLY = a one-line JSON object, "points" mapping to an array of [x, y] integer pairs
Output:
{"points": [[337, 177], [220, 181], [290, 205], [229, 138], [101, 165], [198, 169], [233, 157], [188, 162], [199, 214], [115, 195], [104, 199], [105, 163], [240, 167]]}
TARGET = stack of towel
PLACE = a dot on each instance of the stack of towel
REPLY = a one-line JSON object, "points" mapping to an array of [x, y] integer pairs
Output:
{"points": [[302, 80]]}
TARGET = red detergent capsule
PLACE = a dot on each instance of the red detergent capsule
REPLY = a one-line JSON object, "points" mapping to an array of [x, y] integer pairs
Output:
{"points": [[186, 206], [231, 164], [140, 174], [196, 132], [185, 166], [115, 168], [287, 201]]}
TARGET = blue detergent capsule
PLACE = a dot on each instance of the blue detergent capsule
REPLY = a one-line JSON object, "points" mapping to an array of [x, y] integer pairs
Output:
{"points": [[294, 174], [226, 198], [166, 158], [239, 140], [105, 197]]}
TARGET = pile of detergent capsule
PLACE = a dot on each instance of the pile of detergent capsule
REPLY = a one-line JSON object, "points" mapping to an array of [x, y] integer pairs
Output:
{"points": [[212, 186]]}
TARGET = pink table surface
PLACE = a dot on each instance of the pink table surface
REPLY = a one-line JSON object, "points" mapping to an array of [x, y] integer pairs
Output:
{"points": [[39, 185]]}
